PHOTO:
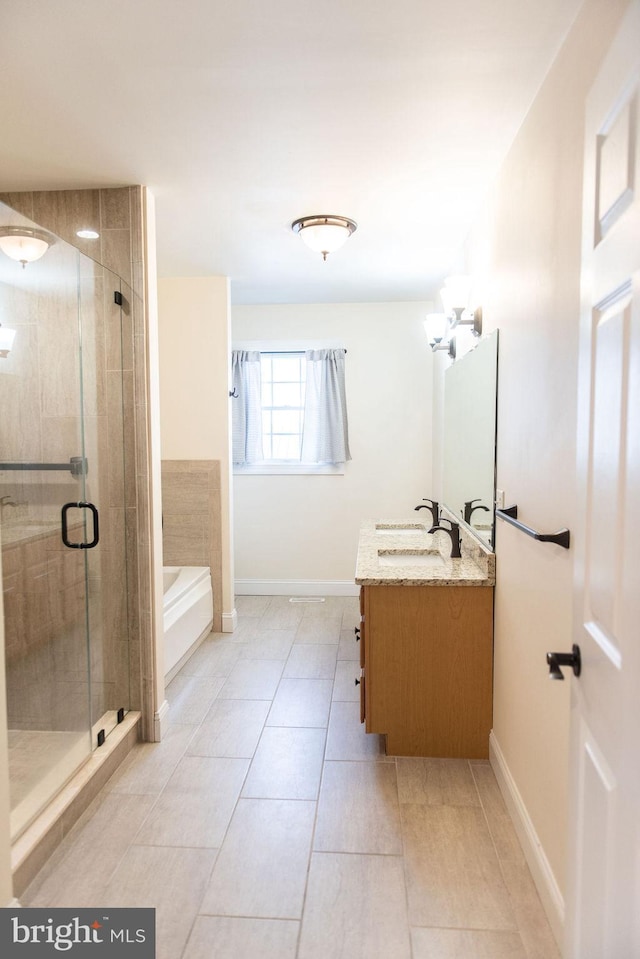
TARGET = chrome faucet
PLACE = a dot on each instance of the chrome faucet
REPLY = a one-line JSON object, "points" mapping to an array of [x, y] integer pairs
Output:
{"points": [[434, 507], [469, 509], [454, 534]]}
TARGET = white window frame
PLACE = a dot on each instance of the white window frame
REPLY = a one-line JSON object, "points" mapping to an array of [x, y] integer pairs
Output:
{"points": [[284, 468]]}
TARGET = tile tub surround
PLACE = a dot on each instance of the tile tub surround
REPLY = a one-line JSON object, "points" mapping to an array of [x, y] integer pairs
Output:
{"points": [[476, 567], [322, 846]]}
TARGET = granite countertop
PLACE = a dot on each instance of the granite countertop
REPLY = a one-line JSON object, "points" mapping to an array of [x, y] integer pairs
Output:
{"points": [[381, 539]]}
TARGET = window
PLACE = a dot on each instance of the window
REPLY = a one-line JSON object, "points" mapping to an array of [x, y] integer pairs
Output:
{"points": [[289, 411], [283, 382]]}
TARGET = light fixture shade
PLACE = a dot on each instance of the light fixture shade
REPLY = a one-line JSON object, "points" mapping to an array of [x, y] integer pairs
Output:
{"points": [[323, 233], [7, 337], [435, 327], [456, 292], [24, 244]]}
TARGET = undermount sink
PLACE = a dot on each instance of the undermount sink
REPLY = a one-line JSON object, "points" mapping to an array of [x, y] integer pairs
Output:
{"points": [[405, 557], [399, 529]]}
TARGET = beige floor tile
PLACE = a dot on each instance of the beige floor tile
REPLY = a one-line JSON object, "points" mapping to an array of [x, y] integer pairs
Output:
{"points": [[436, 782], [287, 764], [262, 866], [532, 922], [344, 688], [247, 606], [170, 880], [268, 644], [349, 647], [149, 766], [319, 630], [501, 827], [79, 870], [311, 662], [253, 679], [197, 803], [466, 944], [190, 697], [301, 702], [215, 657], [223, 937], [347, 739], [453, 875], [358, 809], [232, 728], [246, 630], [281, 614], [355, 909]]}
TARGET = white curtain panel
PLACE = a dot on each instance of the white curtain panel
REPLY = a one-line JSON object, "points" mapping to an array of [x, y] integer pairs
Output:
{"points": [[246, 418], [325, 437]]}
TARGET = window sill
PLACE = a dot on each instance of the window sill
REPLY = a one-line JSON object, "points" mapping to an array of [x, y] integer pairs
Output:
{"points": [[289, 469]]}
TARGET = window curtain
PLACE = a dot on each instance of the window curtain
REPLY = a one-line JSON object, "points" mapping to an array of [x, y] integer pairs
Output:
{"points": [[325, 437], [246, 418]]}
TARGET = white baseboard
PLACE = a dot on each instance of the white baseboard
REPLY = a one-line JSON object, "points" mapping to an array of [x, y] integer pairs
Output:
{"points": [[541, 871], [229, 621], [160, 722], [296, 587]]}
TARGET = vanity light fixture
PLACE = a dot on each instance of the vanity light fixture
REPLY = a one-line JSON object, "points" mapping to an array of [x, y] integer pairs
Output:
{"points": [[324, 233], [455, 296], [7, 337], [438, 330], [24, 244]]}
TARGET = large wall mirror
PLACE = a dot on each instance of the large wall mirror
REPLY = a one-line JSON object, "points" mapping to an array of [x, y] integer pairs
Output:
{"points": [[470, 393]]}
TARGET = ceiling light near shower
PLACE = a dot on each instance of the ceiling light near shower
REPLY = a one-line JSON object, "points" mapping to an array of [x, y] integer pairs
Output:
{"points": [[88, 234], [24, 244]]}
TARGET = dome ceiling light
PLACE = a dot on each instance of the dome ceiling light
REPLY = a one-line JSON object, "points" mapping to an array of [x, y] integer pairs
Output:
{"points": [[24, 244], [323, 233]]}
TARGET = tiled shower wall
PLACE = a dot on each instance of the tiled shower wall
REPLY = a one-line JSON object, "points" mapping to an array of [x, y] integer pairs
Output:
{"points": [[192, 516], [118, 215]]}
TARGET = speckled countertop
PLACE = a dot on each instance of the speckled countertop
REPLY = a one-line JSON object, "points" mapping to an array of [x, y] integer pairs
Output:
{"points": [[382, 539]]}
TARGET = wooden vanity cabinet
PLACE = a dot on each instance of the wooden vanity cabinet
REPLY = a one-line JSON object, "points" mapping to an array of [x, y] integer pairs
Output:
{"points": [[427, 677]]}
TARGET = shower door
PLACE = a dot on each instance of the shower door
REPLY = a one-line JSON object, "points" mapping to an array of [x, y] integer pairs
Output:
{"points": [[62, 517]]}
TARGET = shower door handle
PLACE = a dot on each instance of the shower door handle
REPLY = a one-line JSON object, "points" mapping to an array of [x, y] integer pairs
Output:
{"points": [[96, 528]]}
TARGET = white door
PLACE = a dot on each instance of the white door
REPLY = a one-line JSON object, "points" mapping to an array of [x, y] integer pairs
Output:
{"points": [[603, 907]]}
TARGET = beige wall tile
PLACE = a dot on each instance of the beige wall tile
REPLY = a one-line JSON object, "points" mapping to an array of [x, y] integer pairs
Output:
{"points": [[229, 938], [232, 727], [115, 211], [245, 882], [171, 881], [436, 782], [358, 809], [453, 876], [197, 803], [287, 764], [356, 907], [65, 211], [466, 944], [116, 252], [301, 702]]}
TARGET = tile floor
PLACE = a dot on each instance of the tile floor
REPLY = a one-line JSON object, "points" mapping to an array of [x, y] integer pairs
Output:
{"points": [[268, 824]]}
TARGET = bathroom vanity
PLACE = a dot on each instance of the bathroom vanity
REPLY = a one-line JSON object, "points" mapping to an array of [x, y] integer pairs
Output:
{"points": [[426, 640]]}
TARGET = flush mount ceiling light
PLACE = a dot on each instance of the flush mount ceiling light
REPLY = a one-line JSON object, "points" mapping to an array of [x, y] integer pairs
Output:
{"points": [[324, 234], [24, 244], [87, 234]]}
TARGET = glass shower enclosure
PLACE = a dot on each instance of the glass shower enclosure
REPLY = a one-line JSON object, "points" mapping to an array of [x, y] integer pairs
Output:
{"points": [[64, 462]]}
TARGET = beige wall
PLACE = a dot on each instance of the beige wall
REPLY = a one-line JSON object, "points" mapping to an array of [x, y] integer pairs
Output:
{"points": [[305, 528], [194, 333], [533, 298]]}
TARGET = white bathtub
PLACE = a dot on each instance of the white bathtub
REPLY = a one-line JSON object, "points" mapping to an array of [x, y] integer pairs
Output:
{"points": [[187, 613]]}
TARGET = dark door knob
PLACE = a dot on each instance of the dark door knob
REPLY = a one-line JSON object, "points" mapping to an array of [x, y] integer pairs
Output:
{"points": [[556, 660]]}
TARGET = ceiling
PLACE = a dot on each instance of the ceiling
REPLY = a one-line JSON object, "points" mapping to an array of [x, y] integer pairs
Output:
{"points": [[242, 115]]}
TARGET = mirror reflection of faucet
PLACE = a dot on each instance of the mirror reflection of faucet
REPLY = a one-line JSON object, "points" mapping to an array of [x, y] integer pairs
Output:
{"points": [[469, 509], [434, 507], [454, 535]]}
